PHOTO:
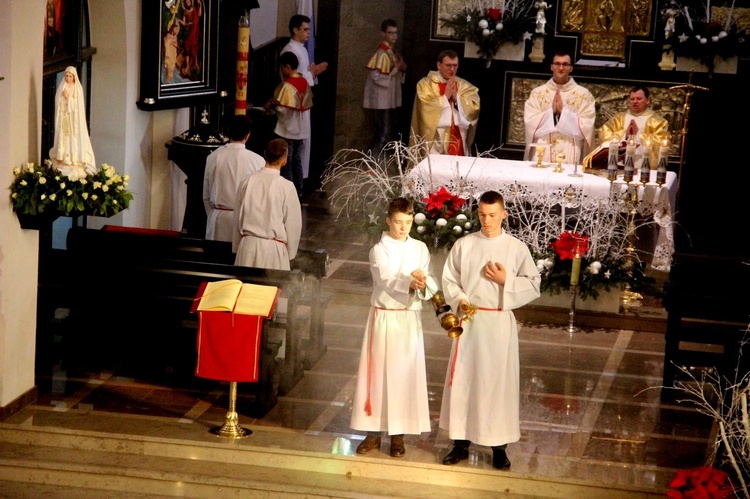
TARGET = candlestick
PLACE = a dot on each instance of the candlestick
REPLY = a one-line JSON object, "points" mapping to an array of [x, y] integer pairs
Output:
{"points": [[646, 166], [243, 53]]}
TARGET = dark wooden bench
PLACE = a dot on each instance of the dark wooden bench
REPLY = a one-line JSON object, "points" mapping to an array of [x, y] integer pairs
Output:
{"points": [[149, 287], [708, 318]]}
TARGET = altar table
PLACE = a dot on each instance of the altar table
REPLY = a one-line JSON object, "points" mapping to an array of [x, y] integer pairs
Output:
{"points": [[469, 177]]}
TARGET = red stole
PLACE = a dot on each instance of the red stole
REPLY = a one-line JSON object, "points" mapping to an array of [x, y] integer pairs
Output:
{"points": [[455, 142]]}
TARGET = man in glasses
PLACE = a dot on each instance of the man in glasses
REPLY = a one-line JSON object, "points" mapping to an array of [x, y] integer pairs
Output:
{"points": [[385, 75], [299, 29], [560, 114], [446, 110]]}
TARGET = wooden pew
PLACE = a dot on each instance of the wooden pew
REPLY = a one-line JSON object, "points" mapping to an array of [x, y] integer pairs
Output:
{"points": [[708, 318], [156, 276]]}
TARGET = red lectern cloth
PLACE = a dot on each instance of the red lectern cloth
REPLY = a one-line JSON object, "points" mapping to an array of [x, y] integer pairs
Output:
{"points": [[228, 348], [228, 344]]}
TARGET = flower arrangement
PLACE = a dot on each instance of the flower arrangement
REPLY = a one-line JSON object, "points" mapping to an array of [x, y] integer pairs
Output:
{"points": [[726, 402], [703, 481], [361, 187], [489, 27], [42, 189], [695, 32], [439, 220]]}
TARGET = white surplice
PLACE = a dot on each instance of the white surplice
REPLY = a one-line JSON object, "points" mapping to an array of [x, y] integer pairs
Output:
{"points": [[482, 389], [303, 68], [269, 218], [392, 362], [226, 167]]}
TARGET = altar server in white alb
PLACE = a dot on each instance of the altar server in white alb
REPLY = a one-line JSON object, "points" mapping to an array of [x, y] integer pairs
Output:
{"points": [[391, 392], [487, 275], [226, 167], [268, 216], [560, 114]]}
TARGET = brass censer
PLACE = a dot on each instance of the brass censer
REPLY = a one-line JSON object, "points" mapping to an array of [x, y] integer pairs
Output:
{"points": [[448, 320]]}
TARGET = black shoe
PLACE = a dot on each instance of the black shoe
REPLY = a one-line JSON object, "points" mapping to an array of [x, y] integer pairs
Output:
{"points": [[457, 454], [500, 459]]}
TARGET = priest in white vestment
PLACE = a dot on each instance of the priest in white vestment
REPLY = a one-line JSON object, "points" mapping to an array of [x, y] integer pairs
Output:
{"points": [[560, 114]]}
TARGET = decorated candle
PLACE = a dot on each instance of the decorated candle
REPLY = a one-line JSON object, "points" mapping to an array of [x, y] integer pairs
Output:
{"points": [[646, 164], [612, 161], [243, 53], [664, 148]]}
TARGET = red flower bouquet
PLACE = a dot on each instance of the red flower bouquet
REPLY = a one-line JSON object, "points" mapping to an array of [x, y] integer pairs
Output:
{"points": [[569, 244], [703, 482]]}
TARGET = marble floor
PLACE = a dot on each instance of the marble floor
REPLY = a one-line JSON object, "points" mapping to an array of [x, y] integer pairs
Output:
{"points": [[590, 400]]}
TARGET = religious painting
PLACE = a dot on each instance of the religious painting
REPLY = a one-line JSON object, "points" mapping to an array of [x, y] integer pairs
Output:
{"points": [[610, 94], [55, 16], [606, 25], [178, 53]]}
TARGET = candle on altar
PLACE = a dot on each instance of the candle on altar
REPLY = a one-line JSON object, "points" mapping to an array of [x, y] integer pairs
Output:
{"points": [[664, 149], [646, 164]]}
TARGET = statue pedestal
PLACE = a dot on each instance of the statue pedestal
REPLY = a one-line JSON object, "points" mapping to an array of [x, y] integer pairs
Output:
{"points": [[537, 49], [667, 61]]}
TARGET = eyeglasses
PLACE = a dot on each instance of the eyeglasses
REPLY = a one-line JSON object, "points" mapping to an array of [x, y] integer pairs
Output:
{"points": [[562, 64]]}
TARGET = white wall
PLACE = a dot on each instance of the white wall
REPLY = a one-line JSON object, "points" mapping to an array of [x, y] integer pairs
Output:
{"points": [[21, 107]]}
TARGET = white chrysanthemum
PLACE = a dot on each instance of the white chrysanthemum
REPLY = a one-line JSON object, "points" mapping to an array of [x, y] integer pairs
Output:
{"points": [[441, 222], [85, 195], [460, 217], [16, 171], [62, 185], [69, 192], [419, 218], [24, 183], [52, 196], [457, 229], [421, 229], [483, 23], [42, 180]]}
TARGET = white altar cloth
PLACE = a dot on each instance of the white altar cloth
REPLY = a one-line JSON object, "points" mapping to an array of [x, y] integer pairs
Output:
{"points": [[469, 177]]}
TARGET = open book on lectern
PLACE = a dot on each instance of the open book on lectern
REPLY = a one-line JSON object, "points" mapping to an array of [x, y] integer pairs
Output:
{"points": [[233, 295]]}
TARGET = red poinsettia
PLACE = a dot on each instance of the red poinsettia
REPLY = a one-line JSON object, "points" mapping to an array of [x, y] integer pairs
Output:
{"points": [[494, 14], [569, 244], [443, 204], [703, 482]]}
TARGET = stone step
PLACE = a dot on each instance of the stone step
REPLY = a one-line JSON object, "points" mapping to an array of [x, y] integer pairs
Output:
{"points": [[123, 465]]}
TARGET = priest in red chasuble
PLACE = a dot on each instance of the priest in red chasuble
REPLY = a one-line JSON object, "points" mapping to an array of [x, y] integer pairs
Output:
{"points": [[446, 110]]}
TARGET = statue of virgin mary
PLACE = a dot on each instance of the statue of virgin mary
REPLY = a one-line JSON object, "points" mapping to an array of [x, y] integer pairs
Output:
{"points": [[71, 152]]}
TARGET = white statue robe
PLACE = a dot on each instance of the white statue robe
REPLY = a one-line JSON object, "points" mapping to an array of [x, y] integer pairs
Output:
{"points": [[303, 68], [572, 135], [269, 218], [392, 375], [226, 167], [481, 398]]}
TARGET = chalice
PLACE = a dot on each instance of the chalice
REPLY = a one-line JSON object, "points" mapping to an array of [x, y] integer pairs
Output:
{"points": [[540, 149], [560, 158]]}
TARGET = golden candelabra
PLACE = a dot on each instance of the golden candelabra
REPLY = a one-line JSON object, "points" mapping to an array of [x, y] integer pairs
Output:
{"points": [[689, 90]]}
